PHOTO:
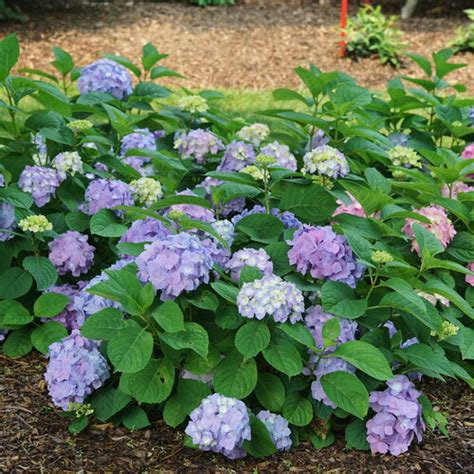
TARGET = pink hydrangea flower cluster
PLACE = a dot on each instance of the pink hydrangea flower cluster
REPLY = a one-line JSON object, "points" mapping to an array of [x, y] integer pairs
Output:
{"points": [[354, 207]]}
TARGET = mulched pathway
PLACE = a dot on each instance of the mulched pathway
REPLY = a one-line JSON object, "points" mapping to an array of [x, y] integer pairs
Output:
{"points": [[34, 438], [246, 46]]}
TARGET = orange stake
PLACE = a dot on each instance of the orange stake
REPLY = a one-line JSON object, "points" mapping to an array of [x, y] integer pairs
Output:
{"points": [[342, 44]]}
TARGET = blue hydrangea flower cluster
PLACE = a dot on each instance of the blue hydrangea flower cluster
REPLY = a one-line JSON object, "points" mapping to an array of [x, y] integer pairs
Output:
{"points": [[327, 161], [225, 229], [106, 194], [220, 424], [175, 264], [40, 182], [195, 212], [398, 417], [325, 255], [75, 369], [141, 138], [282, 154], [237, 156], [145, 230], [7, 221], [70, 318], [318, 139], [278, 428], [271, 296], [248, 257], [70, 253], [197, 144], [106, 76]]}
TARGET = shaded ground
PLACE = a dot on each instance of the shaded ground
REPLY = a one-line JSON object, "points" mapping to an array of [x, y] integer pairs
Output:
{"points": [[246, 46], [34, 438]]}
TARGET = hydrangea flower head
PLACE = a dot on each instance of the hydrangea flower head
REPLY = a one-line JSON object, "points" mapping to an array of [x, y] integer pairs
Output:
{"points": [[35, 224], [399, 139], [220, 424], [69, 317], [40, 158], [40, 182], [197, 144], [318, 139], [271, 296], [193, 104], [441, 227], [175, 264], [106, 76], [106, 194], [7, 221], [278, 429], [75, 369], [354, 207], [225, 229], [237, 156], [70, 253], [248, 257], [282, 154], [146, 191], [468, 152], [456, 188], [68, 162], [404, 156], [254, 134], [469, 278], [325, 255], [145, 230], [327, 161], [141, 139], [193, 211]]}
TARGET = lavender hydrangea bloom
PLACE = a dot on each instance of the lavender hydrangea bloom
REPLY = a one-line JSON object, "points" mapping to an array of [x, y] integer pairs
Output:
{"points": [[289, 220], [197, 144], [399, 139], [106, 76], [325, 255], [278, 429], [325, 160], [7, 221], [193, 211], [326, 366], [398, 417], [318, 139], [75, 369], [271, 296], [282, 154], [251, 258], [218, 253], [225, 229], [70, 318], [220, 424], [106, 194], [145, 230], [143, 139], [237, 156], [40, 158], [70, 252], [40, 182], [175, 264], [2, 181]]}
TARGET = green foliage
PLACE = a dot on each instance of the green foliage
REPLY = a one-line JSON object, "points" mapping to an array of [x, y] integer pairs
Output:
{"points": [[206, 3], [464, 38]]}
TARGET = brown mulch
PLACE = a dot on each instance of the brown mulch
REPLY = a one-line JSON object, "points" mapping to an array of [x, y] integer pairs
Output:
{"points": [[254, 45], [34, 438]]}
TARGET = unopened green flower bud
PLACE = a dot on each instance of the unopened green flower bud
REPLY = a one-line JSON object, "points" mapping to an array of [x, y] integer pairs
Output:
{"points": [[381, 257], [35, 224], [448, 329], [78, 125], [265, 160], [146, 191], [80, 409], [255, 172], [175, 214]]}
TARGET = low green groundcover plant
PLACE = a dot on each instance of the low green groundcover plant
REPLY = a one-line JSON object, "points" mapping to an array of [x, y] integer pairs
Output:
{"points": [[464, 39], [251, 283]]}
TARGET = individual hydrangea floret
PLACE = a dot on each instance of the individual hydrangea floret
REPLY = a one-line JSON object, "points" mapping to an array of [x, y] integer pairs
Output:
{"points": [[70, 253], [106, 194], [271, 296], [325, 255], [220, 424], [78, 125], [40, 158], [141, 139], [35, 224], [448, 329], [40, 182], [469, 278], [145, 230], [225, 229], [193, 104], [175, 264], [354, 207], [325, 161], [441, 226], [278, 429], [69, 162], [398, 417], [237, 156], [248, 257], [7, 221], [197, 144], [399, 139], [193, 211], [254, 134], [404, 156], [75, 369], [381, 257], [282, 154], [69, 317], [146, 191], [106, 76]]}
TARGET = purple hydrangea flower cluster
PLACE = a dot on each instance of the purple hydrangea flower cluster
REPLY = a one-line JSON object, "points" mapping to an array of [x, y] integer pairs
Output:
{"points": [[40, 158], [318, 139], [250, 258], [70, 252], [75, 369], [198, 213], [106, 76], [278, 429], [225, 229], [399, 139], [237, 156], [197, 144], [106, 194], [282, 154], [7, 221], [220, 424], [145, 230], [70, 318], [289, 220], [143, 139], [398, 417], [40, 182], [218, 253], [325, 255], [174, 264], [271, 296]]}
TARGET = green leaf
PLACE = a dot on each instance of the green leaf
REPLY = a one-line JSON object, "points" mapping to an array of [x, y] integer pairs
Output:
{"points": [[14, 282], [205, 299], [297, 410], [252, 338], [43, 336], [131, 248], [228, 292], [124, 62], [16, 197], [365, 357], [16, 315], [426, 240], [107, 402], [339, 299], [9, 54], [130, 350], [283, 356], [169, 316], [260, 444], [78, 425], [229, 318], [356, 435], [50, 304], [42, 270], [103, 325], [462, 247], [162, 71], [425, 358], [249, 274], [78, 221], [151, 56], [270, 391], [261, 227], [105, 224], [63, 62], [300, 333], [18, 343], [278, 252], [153, 384], [288, 94], [193, 337], [235, 376], [467, 343], [347, 392]]}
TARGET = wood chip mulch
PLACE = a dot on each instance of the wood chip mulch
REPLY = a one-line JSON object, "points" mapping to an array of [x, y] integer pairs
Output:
{"points": [[34, 438]]}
